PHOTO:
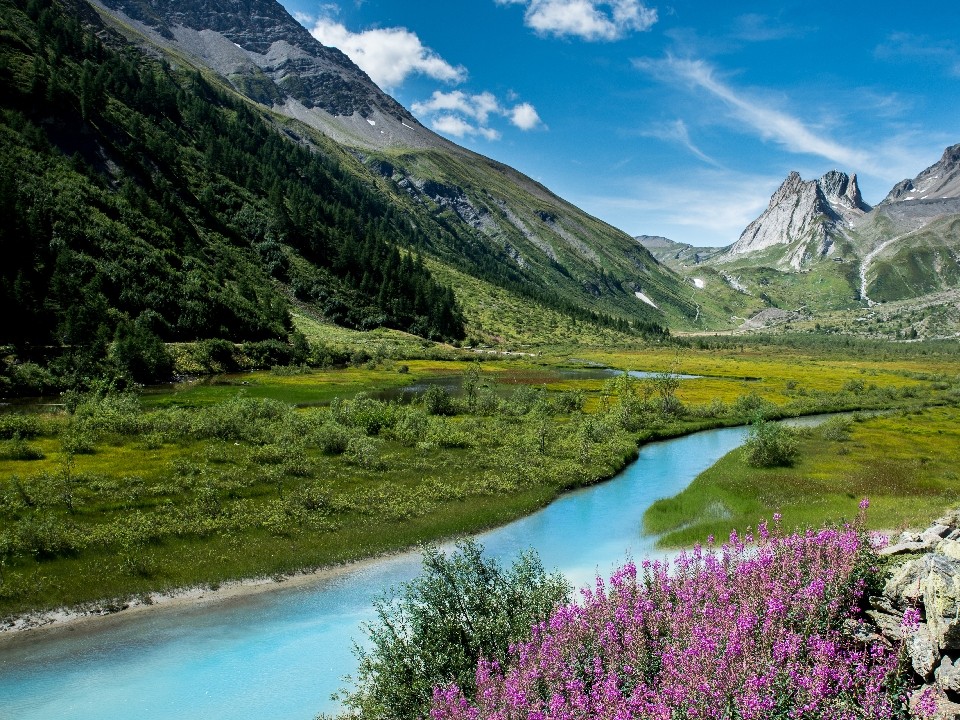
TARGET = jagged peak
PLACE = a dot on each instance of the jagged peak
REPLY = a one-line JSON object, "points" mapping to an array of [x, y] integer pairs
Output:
{"points": [[804, 212], [938, 182], [839, 188]]}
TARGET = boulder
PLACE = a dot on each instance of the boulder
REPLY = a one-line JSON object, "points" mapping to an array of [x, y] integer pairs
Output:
{"points": [[902, 548], [905, 585], [923, 652], [947, 676], [941, 600]]}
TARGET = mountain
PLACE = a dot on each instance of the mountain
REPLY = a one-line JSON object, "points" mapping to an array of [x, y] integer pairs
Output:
{"points": [[495, 223], [909, 244], [269, 57], [196, 170], [940, 181], [675, 254], [806, 217]]}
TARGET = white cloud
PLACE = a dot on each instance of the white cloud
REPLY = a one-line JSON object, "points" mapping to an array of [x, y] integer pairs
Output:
{"points": [[479, 107], [460, 128], [388, 55], [461, 114], [766, 121], [677, 132], [525, 116], [587, 19]]}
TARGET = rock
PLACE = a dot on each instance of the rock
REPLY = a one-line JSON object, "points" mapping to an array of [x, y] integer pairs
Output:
{"points": [[888, 625], [938, 181], [941, 600], [905, 585], [950, 548], [901, 548], [806, 216], [947, 675], [922, 651], [935, 533]]}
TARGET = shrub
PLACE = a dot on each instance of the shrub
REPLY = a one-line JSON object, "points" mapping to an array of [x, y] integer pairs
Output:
{"points": [[462, 607], [78, 438], [19, 449], [437, 401], [17, 425], [770, 444], [748, 632], [331, 437], [365, 452], [751, 404]]}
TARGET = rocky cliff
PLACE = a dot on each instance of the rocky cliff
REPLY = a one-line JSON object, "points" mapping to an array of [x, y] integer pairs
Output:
{"points": [[805, 216], [940, 181], [271, 58]]}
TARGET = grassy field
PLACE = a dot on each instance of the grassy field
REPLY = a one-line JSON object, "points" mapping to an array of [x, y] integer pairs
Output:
{"points": [[267, 472], [904, 462]]}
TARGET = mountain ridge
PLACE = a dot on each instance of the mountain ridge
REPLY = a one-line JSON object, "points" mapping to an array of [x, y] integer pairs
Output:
{"points": [[806, 216]]}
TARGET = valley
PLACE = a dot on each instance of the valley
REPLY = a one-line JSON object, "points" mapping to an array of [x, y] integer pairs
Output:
{"points": [[263, 324]]}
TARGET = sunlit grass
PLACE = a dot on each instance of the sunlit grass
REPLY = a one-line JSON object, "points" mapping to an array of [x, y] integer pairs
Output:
{"points": [[905, 463]]}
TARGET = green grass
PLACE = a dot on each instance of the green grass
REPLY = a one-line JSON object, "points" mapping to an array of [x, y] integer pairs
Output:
{"points": [[905, 463], [210, 482]]}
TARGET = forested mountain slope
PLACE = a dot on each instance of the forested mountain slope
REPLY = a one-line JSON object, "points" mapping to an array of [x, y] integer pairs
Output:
{"points": [[145, 201]]}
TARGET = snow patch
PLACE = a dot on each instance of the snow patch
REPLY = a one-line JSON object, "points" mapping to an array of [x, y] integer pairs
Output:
{"points": [[699, 283], [648, 301]]}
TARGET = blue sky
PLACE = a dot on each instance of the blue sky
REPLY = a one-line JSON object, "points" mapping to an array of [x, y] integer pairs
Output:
{"points": [[676, 119]]}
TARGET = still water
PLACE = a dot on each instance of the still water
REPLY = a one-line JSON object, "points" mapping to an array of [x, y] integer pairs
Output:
{"points": [[280, 655]]}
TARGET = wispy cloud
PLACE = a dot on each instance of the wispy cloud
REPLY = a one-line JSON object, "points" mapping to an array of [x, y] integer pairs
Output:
{"points": [[461, 114], [754, 27], [591, 20], [917, 48], [758, 117], [388, 55], [677, 132], [709, 207]]}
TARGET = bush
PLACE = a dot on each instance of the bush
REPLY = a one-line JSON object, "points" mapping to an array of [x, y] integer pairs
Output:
{"points": [[140, 354], [331, 437], [19, 449], [750, 631], [365, 452], [437, 401], [16, 425], [463, 607], [770, 444]]}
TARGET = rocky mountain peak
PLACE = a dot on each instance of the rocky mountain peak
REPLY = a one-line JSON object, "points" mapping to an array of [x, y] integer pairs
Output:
{"points": [[271, 58], [839, 189], [940, 181], [804, 215]]}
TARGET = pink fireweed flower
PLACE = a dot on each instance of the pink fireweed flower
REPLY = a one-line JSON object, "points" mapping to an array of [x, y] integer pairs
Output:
{"points": [[748, 633], [911, 619]]}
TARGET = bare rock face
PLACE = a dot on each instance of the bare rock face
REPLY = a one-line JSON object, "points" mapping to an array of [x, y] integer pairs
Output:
{"points": [[940, 181], [929, 587], [805, 217], [271, 58]]}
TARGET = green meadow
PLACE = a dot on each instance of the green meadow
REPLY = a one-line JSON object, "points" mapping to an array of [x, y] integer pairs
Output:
{"points": [[273, 471]]}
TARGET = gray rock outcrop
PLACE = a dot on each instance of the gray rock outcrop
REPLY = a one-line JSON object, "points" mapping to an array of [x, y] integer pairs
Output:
{"points": [[940, 181], [928, 583], [805, 216]]}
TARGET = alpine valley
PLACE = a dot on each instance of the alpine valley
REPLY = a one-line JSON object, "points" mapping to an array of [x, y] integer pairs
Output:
{"points": [[821, 257]]}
